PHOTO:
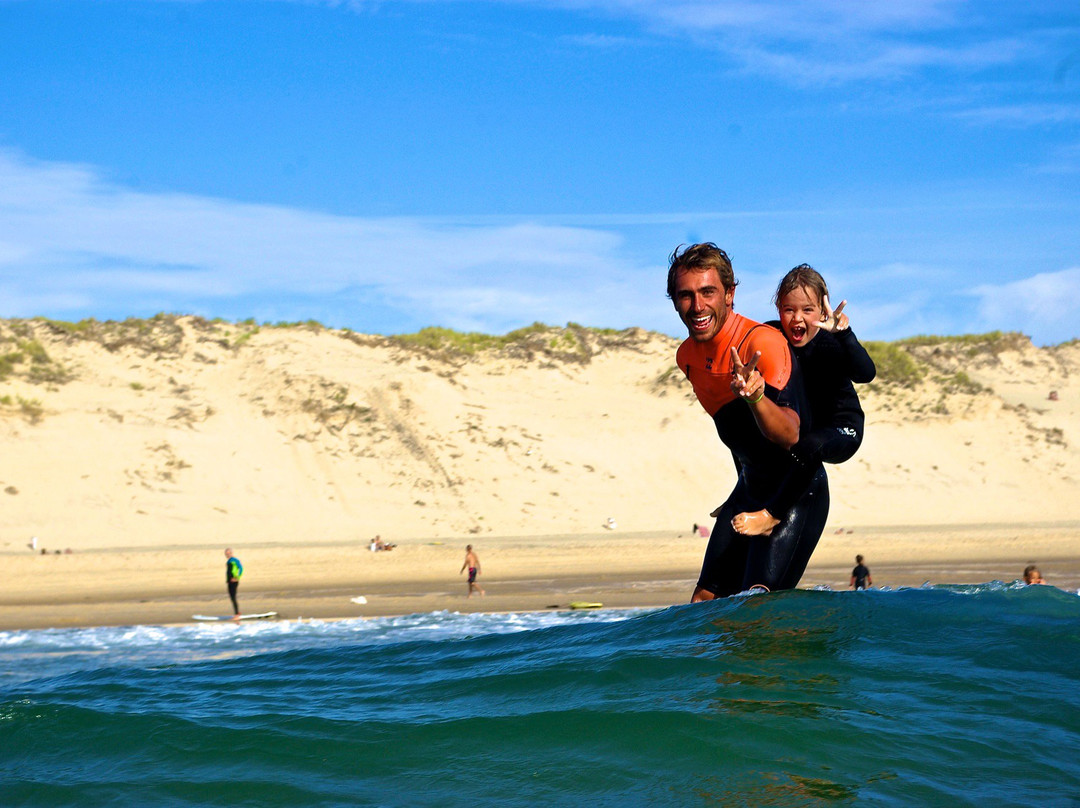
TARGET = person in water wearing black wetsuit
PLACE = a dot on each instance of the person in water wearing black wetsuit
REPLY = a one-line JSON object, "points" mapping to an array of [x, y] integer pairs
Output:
{"points": [[744, 376], [860, 575], [831, 358]]}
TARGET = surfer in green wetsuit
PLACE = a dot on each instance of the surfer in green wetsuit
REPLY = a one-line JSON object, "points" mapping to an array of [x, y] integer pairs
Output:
{"points": [[233, 570]]}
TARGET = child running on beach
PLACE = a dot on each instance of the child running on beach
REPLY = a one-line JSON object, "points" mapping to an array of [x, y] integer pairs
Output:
{"points": [[831, 358]]}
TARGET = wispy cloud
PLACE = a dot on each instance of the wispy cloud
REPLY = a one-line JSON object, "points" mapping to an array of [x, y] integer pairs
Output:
{"points": [[73, 244], [1035, 304], [824, 41], [1022, 115], [1062, 160], [600, 41]]}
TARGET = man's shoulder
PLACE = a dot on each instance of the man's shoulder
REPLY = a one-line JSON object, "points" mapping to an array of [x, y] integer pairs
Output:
{"points": [[764, 334], [770, 343]]}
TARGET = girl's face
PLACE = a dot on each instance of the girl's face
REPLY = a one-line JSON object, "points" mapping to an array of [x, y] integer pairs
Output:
{"points": [[800, 312]]}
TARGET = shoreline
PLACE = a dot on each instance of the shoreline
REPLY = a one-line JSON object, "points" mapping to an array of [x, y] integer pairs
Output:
{"points": [[157, 586]]}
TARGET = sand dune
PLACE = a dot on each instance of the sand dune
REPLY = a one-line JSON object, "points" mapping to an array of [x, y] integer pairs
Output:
{"points": [[178, 432]]}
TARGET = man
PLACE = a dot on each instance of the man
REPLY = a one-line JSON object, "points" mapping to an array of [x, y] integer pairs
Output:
{"points": [[744, 376], [233, 570], [472, 564]]}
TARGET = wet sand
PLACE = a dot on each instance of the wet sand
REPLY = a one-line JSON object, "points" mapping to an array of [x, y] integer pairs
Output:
{"points": [[131, 586]]}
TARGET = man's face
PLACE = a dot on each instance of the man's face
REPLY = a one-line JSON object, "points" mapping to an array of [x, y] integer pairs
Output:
{"points": [[702, 302]]}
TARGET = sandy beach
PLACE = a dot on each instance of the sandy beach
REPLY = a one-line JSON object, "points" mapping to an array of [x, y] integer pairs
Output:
{"points": [[170, 584], [145, 448]]}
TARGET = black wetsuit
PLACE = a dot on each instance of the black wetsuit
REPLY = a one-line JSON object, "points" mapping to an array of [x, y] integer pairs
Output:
{"points": [[830, 362], [860, 574], [734, 562], [233, 571]]}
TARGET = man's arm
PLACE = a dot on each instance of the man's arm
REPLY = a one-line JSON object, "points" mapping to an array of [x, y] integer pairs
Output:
{"points": [[779, 424]]}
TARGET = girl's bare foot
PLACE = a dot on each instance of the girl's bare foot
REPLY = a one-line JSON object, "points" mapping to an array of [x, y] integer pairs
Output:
{"points": [[756, 523]]}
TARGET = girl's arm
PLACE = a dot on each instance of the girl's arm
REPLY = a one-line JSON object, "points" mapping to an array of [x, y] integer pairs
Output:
{"points": [[858, 364]]}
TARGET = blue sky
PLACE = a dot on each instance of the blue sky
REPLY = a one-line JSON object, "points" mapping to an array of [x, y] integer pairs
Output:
{"points": [[482, 165]]}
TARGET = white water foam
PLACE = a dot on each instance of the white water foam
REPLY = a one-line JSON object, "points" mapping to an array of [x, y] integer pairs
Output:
{"points": [[45, 653]]}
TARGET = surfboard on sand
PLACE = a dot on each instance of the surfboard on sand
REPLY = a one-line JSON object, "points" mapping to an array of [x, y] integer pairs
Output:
{"points": [[584, 604], [229, 617]]}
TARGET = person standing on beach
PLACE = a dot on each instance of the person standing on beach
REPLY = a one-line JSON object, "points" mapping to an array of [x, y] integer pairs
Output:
{"points": [[860, 576], [745, 378], [472, 564], [233, 570]]}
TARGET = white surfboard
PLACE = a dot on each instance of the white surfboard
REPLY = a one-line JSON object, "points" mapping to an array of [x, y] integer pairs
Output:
{"points": [[230, 617]]}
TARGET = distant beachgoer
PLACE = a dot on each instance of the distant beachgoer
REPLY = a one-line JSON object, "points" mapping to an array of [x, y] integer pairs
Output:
{"points": [[377, 544], [860, 576], [1053, 395], [1032, 575], [831, 358], [610, 524], [472, 564], [233, 570]]}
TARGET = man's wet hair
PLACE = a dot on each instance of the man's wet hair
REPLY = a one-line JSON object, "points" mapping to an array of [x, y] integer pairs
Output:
{"points": [[802, 275], [699, 257]]}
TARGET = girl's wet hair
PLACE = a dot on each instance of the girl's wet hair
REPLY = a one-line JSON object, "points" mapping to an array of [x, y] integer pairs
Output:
{"points": [[802, 275]]}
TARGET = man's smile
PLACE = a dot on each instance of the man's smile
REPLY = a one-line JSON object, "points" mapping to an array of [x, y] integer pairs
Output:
{"points": [[701, 322]]}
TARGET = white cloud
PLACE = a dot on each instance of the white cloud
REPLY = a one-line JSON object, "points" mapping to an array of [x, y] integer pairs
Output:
{"points": [[1022, 115], [1039, 306], [73, 245], [69, 240], [826, 41], [1063, 159]]}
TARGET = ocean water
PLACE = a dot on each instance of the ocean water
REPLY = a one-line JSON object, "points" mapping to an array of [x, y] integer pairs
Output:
{"points": [[963, 695]]}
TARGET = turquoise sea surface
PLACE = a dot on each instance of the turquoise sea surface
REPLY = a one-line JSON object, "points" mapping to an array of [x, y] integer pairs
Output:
{"points": [[944, 695]]}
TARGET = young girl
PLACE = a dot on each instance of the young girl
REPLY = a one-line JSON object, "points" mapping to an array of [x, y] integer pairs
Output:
{"points": [[831, 358]]}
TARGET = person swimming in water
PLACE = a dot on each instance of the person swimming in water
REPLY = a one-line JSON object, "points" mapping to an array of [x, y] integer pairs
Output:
{"points": [[744, 375], [1032, 575], [831, 358]]}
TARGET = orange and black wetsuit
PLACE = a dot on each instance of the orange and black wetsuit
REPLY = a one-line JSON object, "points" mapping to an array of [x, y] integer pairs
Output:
{"points": [[733, 562]]}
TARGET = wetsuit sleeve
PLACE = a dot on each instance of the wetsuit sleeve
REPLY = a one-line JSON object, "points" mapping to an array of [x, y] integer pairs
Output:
{"points": [[858, 365]]}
